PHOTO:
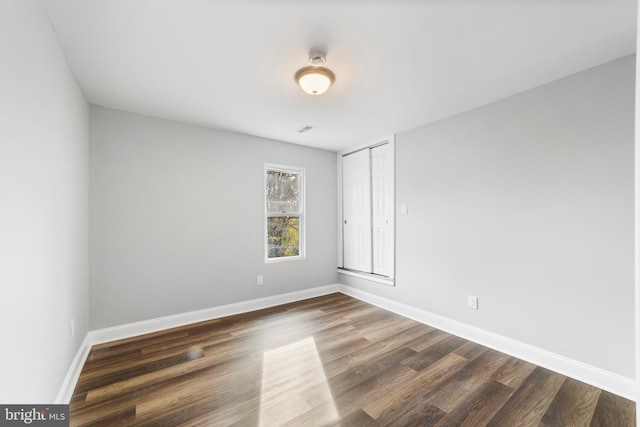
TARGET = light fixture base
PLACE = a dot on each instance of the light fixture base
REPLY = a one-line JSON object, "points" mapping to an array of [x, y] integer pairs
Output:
{"points": [[317, 58]]}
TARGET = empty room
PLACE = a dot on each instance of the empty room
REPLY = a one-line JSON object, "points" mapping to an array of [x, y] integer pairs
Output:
{"points": [[318, 213]]}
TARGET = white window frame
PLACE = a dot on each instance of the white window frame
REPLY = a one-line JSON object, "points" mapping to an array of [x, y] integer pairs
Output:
{"points": [[301, 213]]}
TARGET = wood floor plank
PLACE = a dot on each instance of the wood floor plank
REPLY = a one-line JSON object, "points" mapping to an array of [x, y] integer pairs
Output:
{"points": [[530, 401], [137, 370], [419, 416], [462, 385], [96, 361], [192, 398], [574, 405], [393, 403], [431, 338], [470, 350], [196, 391], [357, 418], [326, 361], [357, 312], [612, 410], [514, 372], [140, 340], [123, 417], [341, 347], [105, 415], [144, 380], [199, 336], [352, 377], [355, 358], [387, 328], [433, 353], [480, 408], [351, 400], [401, 338]]}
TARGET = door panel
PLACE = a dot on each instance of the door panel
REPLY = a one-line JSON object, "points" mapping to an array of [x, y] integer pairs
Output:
{"points": [[356, 205], [382, 210]]}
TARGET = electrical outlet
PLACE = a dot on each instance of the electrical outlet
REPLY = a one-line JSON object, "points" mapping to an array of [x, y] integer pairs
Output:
{"points": [[72, 327], [404, 209], [260, 280], [472, 302]]}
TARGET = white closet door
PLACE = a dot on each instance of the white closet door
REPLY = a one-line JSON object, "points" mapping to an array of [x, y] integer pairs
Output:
{"points": [[356, 206], [382, 205]]}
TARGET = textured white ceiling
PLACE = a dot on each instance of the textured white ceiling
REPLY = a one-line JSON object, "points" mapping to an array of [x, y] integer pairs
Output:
{"points": [[398, 63]]}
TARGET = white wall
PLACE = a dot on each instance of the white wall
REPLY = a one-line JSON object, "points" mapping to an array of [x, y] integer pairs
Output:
{"points": [[526, 203], [176, 218], [43, 207], [637, 225]]}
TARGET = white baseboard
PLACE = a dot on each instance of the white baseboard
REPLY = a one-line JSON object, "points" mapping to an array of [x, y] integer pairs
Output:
{"points": [[71, 379], [614, 383], [154, 325], [167, 322], [609, 381]]}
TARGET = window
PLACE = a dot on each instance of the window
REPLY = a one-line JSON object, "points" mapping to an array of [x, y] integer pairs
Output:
{"points": [[284, 213]]}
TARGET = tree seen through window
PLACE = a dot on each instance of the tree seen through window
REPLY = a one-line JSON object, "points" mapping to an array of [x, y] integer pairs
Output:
{"points": [[283, 212]]}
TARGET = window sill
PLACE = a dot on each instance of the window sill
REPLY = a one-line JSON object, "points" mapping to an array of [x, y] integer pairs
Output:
{"points": [[371, 277], [283, 259]]}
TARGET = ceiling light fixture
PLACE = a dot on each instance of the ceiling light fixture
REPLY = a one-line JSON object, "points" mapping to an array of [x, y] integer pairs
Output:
{"points": [[315, 79]]}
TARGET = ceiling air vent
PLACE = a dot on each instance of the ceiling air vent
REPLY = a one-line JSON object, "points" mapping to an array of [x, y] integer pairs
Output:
{"points": [[305, 128]]}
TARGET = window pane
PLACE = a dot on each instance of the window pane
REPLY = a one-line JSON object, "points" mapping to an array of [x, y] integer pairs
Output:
{"points": [[282, 236], [282, 191]]}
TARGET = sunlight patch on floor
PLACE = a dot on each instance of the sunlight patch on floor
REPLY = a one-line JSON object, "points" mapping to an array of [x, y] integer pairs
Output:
{"points": [[287, 372]]}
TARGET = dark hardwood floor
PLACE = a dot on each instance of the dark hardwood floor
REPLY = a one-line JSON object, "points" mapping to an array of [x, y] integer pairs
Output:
{"points": [[332, 360]]}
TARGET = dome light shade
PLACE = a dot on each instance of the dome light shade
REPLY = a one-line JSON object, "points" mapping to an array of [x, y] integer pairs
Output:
{"points": [[315, 80]]}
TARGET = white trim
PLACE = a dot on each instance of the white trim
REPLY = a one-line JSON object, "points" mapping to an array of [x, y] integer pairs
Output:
{"points": [[614, 383], [609, 381], [158, 324], [387, 139], [167, 322], [367, 276], [339, 252], [391, 140], [71, 379], [301, 213], [637, 227]]}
